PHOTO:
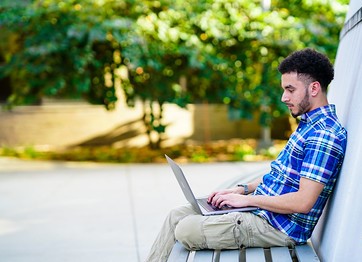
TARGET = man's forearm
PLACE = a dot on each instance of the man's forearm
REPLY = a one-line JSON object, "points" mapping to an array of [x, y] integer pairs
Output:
{"points": [[253, 185], [300, 201], [284, 204]]}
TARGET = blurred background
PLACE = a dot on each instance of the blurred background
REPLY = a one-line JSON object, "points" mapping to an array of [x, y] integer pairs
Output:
{"points": [[126, 81], [129, 80]]}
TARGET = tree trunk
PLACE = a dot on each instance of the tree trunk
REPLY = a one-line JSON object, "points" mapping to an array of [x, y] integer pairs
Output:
{"points": [[265, 138]]}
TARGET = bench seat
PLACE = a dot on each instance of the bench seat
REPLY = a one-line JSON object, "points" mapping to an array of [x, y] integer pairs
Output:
{"points": [[303, 253]]}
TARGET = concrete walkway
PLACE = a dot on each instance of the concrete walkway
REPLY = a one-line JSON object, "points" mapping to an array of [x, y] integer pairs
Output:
{"points": [[61, 211]]}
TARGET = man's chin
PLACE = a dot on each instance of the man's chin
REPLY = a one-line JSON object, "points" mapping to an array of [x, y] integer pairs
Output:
{"points": [[295, 115]]}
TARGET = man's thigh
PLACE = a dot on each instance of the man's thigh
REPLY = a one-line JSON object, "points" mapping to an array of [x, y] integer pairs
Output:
{"points": [[229, 231]]}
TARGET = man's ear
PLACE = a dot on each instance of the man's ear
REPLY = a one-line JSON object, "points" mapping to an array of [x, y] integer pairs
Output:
{"points": [[315, 88]]}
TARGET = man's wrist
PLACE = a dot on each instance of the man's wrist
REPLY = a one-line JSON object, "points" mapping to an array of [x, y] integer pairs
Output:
{"points": [[245, 187]]}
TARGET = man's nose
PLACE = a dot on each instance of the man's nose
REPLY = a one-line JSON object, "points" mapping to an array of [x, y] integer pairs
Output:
{"points": [[284, 98]]}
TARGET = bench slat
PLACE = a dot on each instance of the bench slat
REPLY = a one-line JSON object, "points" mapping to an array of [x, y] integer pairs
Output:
{"points": [[280, 254], [178, 253], [255, 254], [305, 253], [204, 255], [229, 255]]}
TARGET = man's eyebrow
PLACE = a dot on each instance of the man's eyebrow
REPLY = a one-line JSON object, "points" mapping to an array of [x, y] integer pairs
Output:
{"points": [[288, 87]]}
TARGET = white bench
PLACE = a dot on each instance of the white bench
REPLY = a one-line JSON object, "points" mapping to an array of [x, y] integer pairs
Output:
{"points": [[303, 253], [338, 234]]}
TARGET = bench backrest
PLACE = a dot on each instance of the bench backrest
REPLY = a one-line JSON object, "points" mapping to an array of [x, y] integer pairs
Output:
{"points": [[338, 235]]}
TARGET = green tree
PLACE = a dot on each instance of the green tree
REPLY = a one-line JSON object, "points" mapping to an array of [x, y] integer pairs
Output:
{"points": [[252, 38], [65, 50], [220, 51]]}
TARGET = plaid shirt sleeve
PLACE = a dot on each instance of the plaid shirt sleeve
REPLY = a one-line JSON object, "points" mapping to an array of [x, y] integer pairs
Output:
{"points": [[322, 156]]}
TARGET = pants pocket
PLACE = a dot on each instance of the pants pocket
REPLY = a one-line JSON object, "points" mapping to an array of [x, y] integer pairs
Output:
{"points": [[222, 233], [265, 235]]}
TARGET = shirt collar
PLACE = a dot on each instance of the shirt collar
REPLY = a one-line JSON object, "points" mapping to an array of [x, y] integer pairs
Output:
{"points": [[313, 115]]}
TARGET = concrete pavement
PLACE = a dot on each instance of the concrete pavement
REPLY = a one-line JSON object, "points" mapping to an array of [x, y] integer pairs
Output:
{"points": [[64, 211]]}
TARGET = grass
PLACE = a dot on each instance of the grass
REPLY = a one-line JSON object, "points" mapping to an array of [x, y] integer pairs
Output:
{"points": [[219, 151]]}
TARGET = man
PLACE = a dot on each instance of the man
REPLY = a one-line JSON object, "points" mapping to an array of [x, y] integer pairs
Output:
{"points": [[291, 197]]}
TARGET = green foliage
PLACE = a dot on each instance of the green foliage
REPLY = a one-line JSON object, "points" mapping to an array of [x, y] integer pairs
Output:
{"points": [[220, 51], [236, 150], [243, 151]]}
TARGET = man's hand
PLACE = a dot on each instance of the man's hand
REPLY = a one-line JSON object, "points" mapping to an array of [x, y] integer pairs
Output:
{"points": [[234, 196], [215, 196], [231, 199]]}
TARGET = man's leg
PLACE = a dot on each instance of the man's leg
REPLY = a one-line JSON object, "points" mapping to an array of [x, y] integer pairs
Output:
{"points": [[230, 231], [165, 240]]}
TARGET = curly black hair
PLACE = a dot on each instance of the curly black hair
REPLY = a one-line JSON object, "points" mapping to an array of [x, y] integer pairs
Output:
{"points": [[310, 64]]}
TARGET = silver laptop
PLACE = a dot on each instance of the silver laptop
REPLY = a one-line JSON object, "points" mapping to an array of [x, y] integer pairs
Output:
{"points": [[200, 205]]}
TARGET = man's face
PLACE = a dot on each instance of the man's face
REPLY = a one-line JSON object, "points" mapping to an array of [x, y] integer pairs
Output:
{"points": [[295, 94]]}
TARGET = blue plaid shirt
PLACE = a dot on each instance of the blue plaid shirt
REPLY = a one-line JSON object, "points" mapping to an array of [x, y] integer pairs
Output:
{"points": [[314, 151]]}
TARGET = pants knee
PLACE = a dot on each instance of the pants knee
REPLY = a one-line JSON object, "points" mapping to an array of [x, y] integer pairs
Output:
{"points": [[189, 233], [180, 212]]}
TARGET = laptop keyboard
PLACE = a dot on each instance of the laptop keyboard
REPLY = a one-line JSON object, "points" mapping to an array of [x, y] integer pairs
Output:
{"points": [[203, 202]]}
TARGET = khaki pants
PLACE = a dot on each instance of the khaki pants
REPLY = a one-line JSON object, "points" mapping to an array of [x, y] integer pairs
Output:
{"points": [[229, 231]]}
